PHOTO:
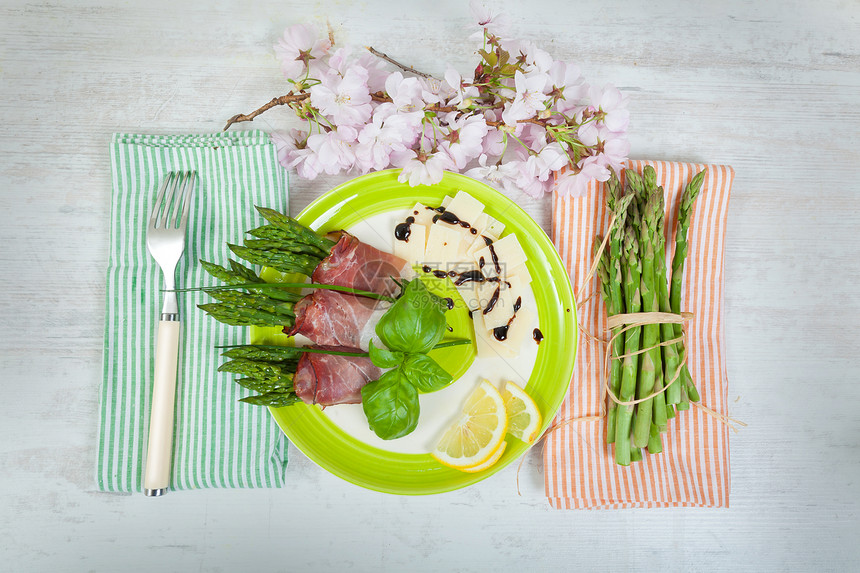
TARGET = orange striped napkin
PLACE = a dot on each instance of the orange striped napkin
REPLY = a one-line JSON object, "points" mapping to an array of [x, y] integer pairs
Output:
{"points": [[693, 469]]}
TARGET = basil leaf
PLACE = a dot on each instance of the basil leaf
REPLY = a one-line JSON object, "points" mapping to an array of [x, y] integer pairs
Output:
{"points": [[390, 405], [385, 358], [415, 322], [425, 373]]}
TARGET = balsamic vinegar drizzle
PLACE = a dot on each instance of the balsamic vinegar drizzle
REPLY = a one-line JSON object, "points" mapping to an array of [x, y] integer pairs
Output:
{"points": [[403, 230], [537, 335], [495, 259], [500, 333], [493, 300], [469, 276]]}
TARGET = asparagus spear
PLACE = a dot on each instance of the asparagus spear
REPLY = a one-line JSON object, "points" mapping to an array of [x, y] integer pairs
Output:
{"points": [[248, 309], [240, 275], [603, 274], [278, 235], [278, 375], [655, 443], [671, 359], [289, 247], [614, 296], [263, 352], [685, 209], [632, 270], [273, 399], [280, 260], [657, 207], [295, 229], [651, 361]]}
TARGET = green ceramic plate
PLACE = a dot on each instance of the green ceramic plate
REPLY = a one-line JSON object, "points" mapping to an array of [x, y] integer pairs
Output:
{"points": [[370, 467]]}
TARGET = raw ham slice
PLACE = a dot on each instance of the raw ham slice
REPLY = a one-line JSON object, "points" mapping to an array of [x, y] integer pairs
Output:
{"points": [[328, 379], [332, 318], [352, 263]]}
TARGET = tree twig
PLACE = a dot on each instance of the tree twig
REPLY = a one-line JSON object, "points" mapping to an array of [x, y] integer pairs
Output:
{"points": [[283, 100], [403, 67]]}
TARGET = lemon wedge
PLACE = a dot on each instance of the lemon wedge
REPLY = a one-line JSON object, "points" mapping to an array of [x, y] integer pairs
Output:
{"points": [[524, 419], [476, 438]]}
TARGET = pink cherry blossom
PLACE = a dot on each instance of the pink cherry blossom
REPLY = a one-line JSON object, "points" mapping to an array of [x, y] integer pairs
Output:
{"points": [[610, 101], [463, 95], [550, 158], [500, 175], [495, 24], [565, 86], [616, 148], [335, 149], [425, 168], [376, 71], [294, 153], [576, 184], [386, 139], [298, 48], [529, 98], [533, 58], [528, 184], [345, 100], [405, 93], [434, 91], [464, 138]]}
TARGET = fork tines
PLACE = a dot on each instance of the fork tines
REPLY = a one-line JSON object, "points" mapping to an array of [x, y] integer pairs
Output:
{"points": [[172, 202]]}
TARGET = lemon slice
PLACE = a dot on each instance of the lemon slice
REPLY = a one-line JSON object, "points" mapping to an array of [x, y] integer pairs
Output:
{"points": [[524, 419], [489, 463], [475, 438]]}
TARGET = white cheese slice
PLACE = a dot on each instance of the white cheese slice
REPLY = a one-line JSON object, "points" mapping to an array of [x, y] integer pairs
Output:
{"points": [[522, 273], [494, 228], [476, 294], [485, 340], [412, 250], [463, 256], [422, 214], [503, 309], [443, 246], [446, 201], [478, 243], [465, 207], [508, 252], [486, 225]]}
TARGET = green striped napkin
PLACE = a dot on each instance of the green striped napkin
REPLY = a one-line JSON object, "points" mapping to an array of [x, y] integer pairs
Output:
{"points": [[218, 441]]}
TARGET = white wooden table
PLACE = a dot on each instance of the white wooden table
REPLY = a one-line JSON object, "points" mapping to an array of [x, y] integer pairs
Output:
{"points": [[771, 88]]}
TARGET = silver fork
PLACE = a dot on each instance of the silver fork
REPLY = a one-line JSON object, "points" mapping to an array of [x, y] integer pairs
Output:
{"points": [[165, 240]]}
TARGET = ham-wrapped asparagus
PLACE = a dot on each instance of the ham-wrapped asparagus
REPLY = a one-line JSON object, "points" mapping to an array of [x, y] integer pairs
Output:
{"points": [[335, 259], [331, 318], [284, 375]]}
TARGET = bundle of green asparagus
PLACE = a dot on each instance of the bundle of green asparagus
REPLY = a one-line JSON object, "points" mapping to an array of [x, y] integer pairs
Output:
{"points": [[632, 272]]}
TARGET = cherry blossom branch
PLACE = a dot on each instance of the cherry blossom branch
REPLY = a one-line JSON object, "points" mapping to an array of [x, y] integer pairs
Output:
{"points": [[283, 100], [518, 96], [394, 62]]}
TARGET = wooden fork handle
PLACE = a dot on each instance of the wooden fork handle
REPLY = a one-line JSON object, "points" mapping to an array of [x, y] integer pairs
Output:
{"points": [[160, 448]]}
